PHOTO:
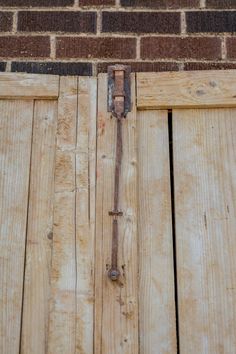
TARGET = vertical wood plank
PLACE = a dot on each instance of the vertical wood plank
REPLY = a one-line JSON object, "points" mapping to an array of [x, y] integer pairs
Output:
{"points": [[205, 199], [15, 150], [156, 270], [116, 303], [72, 281], [39, 232], [85, 213], [62, 324]]}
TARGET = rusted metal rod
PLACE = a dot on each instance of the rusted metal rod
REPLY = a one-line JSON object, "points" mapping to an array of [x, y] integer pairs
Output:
{"points": [[114, 271], [119, 113]]}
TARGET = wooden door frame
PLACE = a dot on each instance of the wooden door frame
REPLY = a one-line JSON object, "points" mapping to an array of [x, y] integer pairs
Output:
{"points": [[192, 89], [28, 86]]}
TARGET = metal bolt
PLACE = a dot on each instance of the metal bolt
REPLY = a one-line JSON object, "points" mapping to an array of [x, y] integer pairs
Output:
{"points": [[113, 274]]}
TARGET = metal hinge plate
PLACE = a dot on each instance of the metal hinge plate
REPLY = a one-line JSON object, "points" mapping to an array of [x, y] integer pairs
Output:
{"points": [[126, 87]]}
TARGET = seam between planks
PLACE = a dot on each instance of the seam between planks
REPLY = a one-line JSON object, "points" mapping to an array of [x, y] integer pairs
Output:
{"points": [[27, 224]]}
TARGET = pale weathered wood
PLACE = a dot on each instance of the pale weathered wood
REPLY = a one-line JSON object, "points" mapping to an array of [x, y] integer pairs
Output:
{"points": [[186, 89], [39, 231], [67, 103], [85, 213], [116, 303], [72, 279], [62, 322], [15, 150], [205, 204], [156, 271], [28, 86]]}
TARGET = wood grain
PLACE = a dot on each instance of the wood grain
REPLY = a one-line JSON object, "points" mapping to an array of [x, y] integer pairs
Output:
{"points": [[156, 270], [62, 322], [116, 303], [85, 213], [205, 199], [39, 231], [15, 150], [28, 86], [198, 89], [72, 280]]}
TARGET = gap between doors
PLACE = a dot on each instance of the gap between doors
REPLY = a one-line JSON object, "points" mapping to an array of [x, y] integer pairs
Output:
{"points": [[172, 191]]}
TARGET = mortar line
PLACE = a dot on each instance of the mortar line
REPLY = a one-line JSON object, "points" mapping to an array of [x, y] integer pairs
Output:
{"points": [[202, 4], [138, 48], [99, 22], [52, 46], [183, 22], [15, 22], [223, 48], [8, 66]]}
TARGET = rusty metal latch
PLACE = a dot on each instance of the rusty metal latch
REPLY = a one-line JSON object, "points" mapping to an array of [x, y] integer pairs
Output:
{"points": [[119, 104]]}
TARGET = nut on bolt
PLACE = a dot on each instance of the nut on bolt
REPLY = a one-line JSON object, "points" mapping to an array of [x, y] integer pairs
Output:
{"points": [[113, 274]]}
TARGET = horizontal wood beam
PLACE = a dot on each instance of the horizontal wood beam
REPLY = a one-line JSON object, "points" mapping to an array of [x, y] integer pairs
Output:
{"points": [[192, 89], [28, 86]]}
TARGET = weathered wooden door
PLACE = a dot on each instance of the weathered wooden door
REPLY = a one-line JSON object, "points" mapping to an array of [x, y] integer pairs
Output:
{"points": [[177, 246]]}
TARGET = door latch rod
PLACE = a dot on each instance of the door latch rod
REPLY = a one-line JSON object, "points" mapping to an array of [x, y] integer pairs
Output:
{"points": [[119, 105]]}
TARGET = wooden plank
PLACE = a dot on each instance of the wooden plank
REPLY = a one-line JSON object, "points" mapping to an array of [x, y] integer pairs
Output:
{"points": [[116, 303], [28, 86], [156, 270], [15, 150], [39, 232], [186, 89], [205, 199], [62, 322], [85, 213], [67, 118]]}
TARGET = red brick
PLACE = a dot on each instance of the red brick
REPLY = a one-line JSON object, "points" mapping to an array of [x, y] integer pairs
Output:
{"points": [[141, 22], [221, 4], [181, 47], [209, 66], [96, 2], [161, 4], [231, 47], [3, 66], [5, 21], [24, 47], [38, 3], [142, 66], [63, 21], [82, 47], [211, 21], [53, 68]]}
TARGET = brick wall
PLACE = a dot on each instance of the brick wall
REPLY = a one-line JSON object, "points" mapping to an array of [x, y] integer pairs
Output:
{"points": [[81, 37]]}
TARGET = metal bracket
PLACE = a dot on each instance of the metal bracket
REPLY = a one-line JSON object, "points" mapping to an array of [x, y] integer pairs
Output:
{"points": [[119, 104], [119, 90]]}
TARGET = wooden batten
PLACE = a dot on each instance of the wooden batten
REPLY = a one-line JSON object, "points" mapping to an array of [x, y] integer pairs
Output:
{"points": [[196, 89], [28, 86]]}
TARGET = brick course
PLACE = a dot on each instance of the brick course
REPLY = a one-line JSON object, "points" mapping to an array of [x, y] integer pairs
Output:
{"points": [[181, 48], [96, 2], [141, 22], [122, 48], [2, 66], [38, 3], [161, 4], [6, 19], [221, 4], [82, 37], [52, 68], [24, 47], [57, 21], [231, 47], [208, 22]]}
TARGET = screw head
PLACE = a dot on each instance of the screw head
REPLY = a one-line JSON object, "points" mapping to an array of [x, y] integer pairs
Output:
{"points": [[113, 274]]}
